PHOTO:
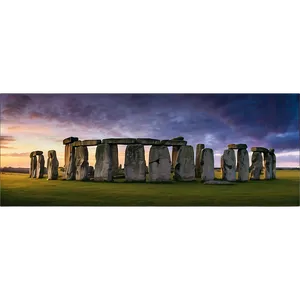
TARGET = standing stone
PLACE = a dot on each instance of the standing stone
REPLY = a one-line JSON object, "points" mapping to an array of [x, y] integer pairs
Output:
{"points": [[256, 165], [207, 164], [243, 165], [70, 166], [159, 164], [135, 164], [273, 163], [222, 167], [229, 165], [267, 166], [33, 166], [115, 158], [199, 149], [81, 162], [103, 166], [40, 169], [185, 166], [175, 150], [52, 165]]}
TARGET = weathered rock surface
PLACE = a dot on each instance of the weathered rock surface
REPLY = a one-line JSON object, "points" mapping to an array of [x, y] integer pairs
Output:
{"points": [[77, 144], [179, 138], [219, 182], [40, 168], [33, 166], [135, 164], [175, 150], [70, 166], [199, 149], [103, 166], [147, 141], [115, 158], [229, 165], [81, 162], [207, 164], [35, 153], [243, 165], [185, 166], [70, 140], [159, 164], [52, 165], [267, 166], [222, 167], [259, 149], [256, 166], [271, 150], [121, 141], [169, 143], [273, 165], [237, 146], [90, 142]]}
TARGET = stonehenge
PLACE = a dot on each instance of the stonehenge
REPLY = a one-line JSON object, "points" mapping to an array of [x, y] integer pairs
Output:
{"points": [[181, 162], [37, 164], [52, 165]]}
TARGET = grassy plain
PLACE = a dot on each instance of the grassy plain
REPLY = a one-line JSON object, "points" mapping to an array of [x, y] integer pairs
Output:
{"points": [[19, 190]]}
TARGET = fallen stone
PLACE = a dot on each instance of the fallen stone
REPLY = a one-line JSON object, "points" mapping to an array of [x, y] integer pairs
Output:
{"points": [[70, 166], [52, 165], [103, 166], [267, 166], [185, 166], [207, 164], [115, 158], [199, 149], [40, 168], [273, 165], [121, 141], [256, 166], [169, 143], [90, 142], [243, 165], [159, 164], [135, 164], [219, 182], [259, 149], [146, 141], [70, 140], [81, 163], [237, 146], [229, 163]]}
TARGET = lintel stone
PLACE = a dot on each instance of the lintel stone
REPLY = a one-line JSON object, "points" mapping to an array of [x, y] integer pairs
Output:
{"points": [[147, 141], [259, 149], [77, 144], [121, 141], [35, 153], [237, 146], [70, 140], [173, 143], [90, 142]]}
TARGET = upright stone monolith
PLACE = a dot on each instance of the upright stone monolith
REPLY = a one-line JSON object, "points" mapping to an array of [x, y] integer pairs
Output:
{"points": [[207, 164], [229, 165], [33, 165], [159, 164], [81, 162], [199, 149], [273, 163], [115, 158], [185, 165], [52, 165], [222, 167], [243, 165], [267, 166], [256, 166], [135, 164], [103, 166], [70, 166], [40, 169]]}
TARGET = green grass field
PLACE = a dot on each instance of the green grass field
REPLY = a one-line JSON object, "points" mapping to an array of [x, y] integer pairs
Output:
{"points": [[19, 190]]}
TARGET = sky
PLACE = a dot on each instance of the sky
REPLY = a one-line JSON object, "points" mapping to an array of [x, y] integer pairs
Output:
{"points": [[32, 122]]}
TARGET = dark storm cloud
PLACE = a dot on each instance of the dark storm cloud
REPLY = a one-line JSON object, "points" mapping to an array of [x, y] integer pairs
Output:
{"points": [[217, 119]]}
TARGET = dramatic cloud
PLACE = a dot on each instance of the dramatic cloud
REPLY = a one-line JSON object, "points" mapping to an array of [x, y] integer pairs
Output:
{"points": [[5, 140], [269, 120]]}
